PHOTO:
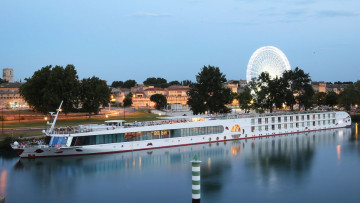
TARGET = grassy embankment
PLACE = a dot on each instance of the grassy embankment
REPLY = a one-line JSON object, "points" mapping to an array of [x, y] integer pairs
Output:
{"points": [[40, 124]]}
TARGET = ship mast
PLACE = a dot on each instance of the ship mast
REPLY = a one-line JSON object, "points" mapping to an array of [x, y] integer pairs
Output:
{"points": [[54, 121]]}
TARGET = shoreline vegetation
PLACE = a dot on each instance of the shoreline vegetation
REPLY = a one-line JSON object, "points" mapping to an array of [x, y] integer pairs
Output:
{"points": [[32, 129]]}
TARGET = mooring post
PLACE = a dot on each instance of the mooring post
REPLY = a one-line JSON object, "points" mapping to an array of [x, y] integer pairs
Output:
{"points": [[195, 179], [2, 199]]}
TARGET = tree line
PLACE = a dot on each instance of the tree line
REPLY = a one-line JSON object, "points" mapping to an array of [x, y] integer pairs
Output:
{"points": [[294, 87], [50, 85], [151, 81]]}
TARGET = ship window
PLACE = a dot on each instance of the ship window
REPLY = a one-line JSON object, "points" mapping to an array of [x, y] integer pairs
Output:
{"points": [[273, 119], [308, 117], [259, 120], [291, 118], [318, 122], [279, 119], [323, 122], [285, 126], [285, 119], [291, 125], [313, 123], [272, 127], [259, 128], [252, 128], [266, 120], [297, 118], [266, 128], [297, 125], [279, 126], [302, 117]]}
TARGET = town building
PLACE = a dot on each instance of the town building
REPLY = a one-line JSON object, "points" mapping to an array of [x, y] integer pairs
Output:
{"points": [[8, 74], [10, 96], [321, 86], [141, 95]]}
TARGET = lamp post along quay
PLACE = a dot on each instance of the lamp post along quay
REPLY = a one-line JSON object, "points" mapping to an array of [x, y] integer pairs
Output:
{"points": [[195, 179]]}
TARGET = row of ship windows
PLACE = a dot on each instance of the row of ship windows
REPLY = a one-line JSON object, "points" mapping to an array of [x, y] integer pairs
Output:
{"points": [[291, 125], [146, 135], [291, 118]]}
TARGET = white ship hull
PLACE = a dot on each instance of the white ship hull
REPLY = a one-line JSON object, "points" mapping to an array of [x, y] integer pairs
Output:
{"points": [[250, 127]]}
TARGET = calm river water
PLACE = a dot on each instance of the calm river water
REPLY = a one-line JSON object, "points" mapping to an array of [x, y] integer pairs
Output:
{"points": [[321, 166]]}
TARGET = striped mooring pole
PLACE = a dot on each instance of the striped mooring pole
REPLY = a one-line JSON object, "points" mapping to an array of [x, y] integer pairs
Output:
{"points": [[195, 180]]}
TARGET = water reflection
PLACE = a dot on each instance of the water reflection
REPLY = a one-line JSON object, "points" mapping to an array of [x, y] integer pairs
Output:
{"points": [[226, 167], [3, 181]]}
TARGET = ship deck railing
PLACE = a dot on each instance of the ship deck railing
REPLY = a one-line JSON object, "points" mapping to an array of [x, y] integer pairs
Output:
{"points": [[85, 129]]}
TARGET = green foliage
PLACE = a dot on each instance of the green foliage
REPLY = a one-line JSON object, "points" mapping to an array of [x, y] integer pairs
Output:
{"points": [[299, 83], [156, 82], [208, 94], [94, 93], [129, 84], [305, 99], [350, 96], [262, 94], [160, 101], [175, 82], [49, 86], [3, 81], [244, 99], [319, 98], [117, 84], [127, 102], [331, 99], [187, 83]]}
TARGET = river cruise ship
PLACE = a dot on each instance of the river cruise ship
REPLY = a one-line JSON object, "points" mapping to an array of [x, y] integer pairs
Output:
{"points": [[118, 136]]}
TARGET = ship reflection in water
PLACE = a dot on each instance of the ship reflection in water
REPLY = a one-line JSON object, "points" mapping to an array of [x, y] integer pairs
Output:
{"points": [[251, 170]]}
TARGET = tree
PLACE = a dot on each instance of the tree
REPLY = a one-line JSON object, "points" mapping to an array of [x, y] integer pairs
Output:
{"points": [[175, 82], [349, 96], [93, 94], [127, 102], [49, 86], [299, 83], [244, 99], [156, 82], [3, 81], [331, 99], [306, 98], [117, 84], [208, 94], [278, 88], [261, 92], [290, 99], [319, 98], [129, 84], [187, 83], [160, 101]]}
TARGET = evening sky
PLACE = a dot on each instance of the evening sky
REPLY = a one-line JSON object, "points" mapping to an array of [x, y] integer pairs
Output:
{"points": [[120, 40]]}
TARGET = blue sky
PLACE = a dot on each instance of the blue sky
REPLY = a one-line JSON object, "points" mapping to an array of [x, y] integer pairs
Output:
{"points": [[120, 40]]}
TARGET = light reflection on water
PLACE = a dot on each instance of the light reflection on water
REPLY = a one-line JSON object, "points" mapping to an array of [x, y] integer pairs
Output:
{"points": [[297, 168]]}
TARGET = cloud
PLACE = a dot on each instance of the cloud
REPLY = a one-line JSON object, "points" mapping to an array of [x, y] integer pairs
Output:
{"points": [[144, 14], [332, 13]]}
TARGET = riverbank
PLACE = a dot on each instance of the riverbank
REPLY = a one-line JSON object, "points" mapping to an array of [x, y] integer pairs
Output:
{"points": [[33, 129]]}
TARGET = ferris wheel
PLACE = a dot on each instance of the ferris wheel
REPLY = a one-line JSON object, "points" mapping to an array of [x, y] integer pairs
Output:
{"points": [[267, 59]]}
